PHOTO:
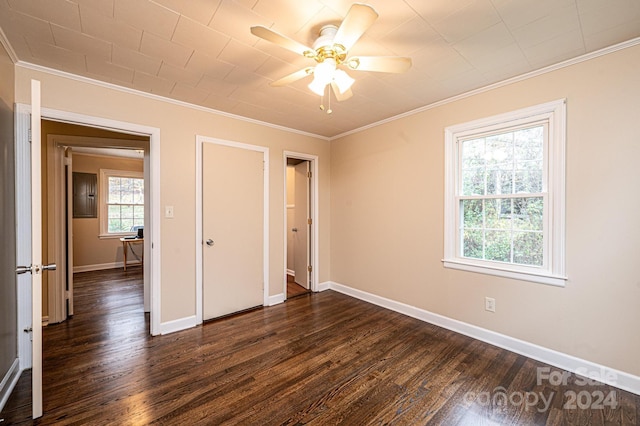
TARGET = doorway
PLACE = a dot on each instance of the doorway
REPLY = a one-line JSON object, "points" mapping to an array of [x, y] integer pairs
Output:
{"points": [[75, 235], [300, 224]]}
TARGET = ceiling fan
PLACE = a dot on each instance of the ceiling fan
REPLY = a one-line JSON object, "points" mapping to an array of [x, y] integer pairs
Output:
{"points": [[330, 51]]}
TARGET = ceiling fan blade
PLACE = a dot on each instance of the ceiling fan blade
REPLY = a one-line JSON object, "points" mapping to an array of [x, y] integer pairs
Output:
{"points": [[283, 41], [340, 96], [358, 20], [293, 77], [395, 64]]}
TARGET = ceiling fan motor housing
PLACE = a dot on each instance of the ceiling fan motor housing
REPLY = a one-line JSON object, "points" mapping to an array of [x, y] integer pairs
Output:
{"points": [[325, 48]]}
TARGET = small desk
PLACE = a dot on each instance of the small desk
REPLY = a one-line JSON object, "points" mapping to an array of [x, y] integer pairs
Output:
{"points": [[126, 244]]}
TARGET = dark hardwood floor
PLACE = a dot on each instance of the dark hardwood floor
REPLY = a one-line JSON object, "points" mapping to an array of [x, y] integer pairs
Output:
{"points": [[324, 359], [294, 289]]}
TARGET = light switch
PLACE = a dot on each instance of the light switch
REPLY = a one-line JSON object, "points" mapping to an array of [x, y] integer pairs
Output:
{"points": [[168, 211]]}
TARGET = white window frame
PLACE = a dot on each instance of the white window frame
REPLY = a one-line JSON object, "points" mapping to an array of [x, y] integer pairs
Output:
{"points": [[105, 174], [552, 272]]}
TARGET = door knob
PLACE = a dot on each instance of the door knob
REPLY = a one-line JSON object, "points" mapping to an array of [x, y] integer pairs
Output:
{"points": [[210, 242], [23, 269], [50, 267]]}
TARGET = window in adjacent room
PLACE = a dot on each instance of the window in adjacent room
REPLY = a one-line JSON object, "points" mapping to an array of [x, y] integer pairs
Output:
{"points": [[121, 202], [504, 206]]}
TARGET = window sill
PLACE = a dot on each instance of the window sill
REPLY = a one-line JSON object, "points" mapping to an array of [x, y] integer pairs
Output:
{"points": [[554, 280], [116, 236]]}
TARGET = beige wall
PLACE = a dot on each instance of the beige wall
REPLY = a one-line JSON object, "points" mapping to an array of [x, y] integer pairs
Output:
{"points": [[8, 297], [387, 194], [178, 129], [88, 248]]}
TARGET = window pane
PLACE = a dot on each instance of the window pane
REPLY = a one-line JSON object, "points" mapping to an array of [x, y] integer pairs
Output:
{"points": [[498, 246], [114, 190], [527, 248], [527, 213], [472, 213], [114, 212], [497, 213], [473, 182], [472, 244], [138, 212], [126, 212], [473, 153], [500, 181]]}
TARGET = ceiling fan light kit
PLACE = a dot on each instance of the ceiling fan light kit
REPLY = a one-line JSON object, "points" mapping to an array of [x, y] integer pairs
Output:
{"points": [[331, 51]]}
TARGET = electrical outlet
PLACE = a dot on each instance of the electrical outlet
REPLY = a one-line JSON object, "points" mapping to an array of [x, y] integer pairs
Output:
{"points": [[489, 304], [168, 211]]}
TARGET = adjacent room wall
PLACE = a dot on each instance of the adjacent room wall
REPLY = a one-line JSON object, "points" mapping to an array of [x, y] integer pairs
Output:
{"points": [[90, 252], [179, 126], [387, 189], [8, 297]]}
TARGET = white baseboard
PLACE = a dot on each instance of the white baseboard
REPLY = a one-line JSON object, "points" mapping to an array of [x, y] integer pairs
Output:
{"points": [[45, 320], [291, 272], [324, 286], [178, 325], [103, 266], [9, 382], [275, 299], [610, 376]]}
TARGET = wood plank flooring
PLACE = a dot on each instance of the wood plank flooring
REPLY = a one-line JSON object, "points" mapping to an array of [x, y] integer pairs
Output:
{"points": [[324, 359], [294, 289]]}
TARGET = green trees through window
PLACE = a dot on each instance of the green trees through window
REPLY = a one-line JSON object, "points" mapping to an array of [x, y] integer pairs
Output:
{"points": [[501, 196]]}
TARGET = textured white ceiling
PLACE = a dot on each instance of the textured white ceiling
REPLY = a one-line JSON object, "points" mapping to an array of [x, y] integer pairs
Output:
{"points": [[202, 52]]}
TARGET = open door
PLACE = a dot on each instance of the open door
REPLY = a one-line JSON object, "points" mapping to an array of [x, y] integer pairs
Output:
{"points": [[302, 262], [35, 267]]}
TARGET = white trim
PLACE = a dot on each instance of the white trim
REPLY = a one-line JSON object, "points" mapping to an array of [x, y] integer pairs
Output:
{"points": [[315, 215], [291, 272], [83, 79], [569, 62], [611, 376], [153, 250], [200, 141], [276, 299], [178, 325], [4, 41], [9, 382], [326, 285], [552, 271], [104, 266]]}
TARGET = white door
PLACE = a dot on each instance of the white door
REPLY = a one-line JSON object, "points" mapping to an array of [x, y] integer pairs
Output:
{"points": [[30, 265], [302, 225], [233, 229]]}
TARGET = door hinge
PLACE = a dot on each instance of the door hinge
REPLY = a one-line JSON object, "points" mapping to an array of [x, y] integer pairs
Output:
{"points": [[28, 330], [309, 175], [309, 268], [309, 221], [29, 135]]}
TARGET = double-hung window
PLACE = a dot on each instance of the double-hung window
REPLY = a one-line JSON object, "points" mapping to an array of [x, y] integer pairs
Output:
{"points": [[121, 202], [504, 194]]}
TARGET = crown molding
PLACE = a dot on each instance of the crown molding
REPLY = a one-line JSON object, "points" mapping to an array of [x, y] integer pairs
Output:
{"points": [[87, 80], [4, 41], [564, 64]]}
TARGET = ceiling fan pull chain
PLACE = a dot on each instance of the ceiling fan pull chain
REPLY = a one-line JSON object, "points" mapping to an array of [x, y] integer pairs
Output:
{"points": [[329, 111]]}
